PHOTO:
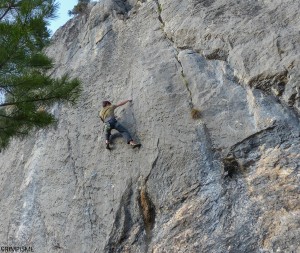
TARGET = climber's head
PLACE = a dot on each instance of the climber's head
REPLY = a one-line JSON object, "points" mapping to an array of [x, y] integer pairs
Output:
{"points": [[106, 103]]}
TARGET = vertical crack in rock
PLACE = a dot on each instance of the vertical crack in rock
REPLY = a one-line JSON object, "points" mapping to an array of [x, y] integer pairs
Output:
{"points": [[159, 9], [21, 229], [70, 157], [183, 76], [154, 162], [99, 40], [146, 205], [90, 209], [87, 191], [122, 224], [135, 217], [171, 42], [273, 84]]}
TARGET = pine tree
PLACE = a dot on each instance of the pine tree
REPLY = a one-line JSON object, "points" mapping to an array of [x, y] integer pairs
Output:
{"points": [[26, 88], [80, 7]]}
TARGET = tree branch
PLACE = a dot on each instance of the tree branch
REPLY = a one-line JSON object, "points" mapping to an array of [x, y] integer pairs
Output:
{"points": [[6, 116], [10, 6], [4, 14], [27, 101], [6, 128]]}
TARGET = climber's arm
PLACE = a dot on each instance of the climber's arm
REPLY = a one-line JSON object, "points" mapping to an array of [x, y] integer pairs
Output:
{"points": [[123, 103]]}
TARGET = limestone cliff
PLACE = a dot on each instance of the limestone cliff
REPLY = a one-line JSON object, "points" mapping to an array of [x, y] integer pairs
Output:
{"points": [[225, 182]]}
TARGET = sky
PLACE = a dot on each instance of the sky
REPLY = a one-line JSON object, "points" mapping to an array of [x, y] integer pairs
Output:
{"points": [[63, 16]]}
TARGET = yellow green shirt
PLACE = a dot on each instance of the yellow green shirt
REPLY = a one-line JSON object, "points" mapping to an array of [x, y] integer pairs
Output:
{"points": [[107, 112]]}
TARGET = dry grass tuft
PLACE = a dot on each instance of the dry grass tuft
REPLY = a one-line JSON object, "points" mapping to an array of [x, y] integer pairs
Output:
{"points": [[148, 210], [195, 113]]}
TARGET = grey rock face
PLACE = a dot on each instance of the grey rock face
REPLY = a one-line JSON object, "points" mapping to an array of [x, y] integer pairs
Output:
{"points": [[258, 39], [225, 182]]}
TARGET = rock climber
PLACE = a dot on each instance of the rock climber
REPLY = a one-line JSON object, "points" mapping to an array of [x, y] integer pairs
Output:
{"points": [[107, 115]]}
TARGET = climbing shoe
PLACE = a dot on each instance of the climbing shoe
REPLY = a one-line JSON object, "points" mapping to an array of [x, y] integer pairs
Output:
{"points": [[136, 145]]}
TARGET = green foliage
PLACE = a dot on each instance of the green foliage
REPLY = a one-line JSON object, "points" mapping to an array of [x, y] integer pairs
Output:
{"points": [[159, 9], [79, 8], [25, 85]]}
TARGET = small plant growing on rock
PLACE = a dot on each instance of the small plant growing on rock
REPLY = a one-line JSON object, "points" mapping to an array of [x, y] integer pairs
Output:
{"points": [[147, 210], [79, 8], [159, 8], [195, 113]]}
